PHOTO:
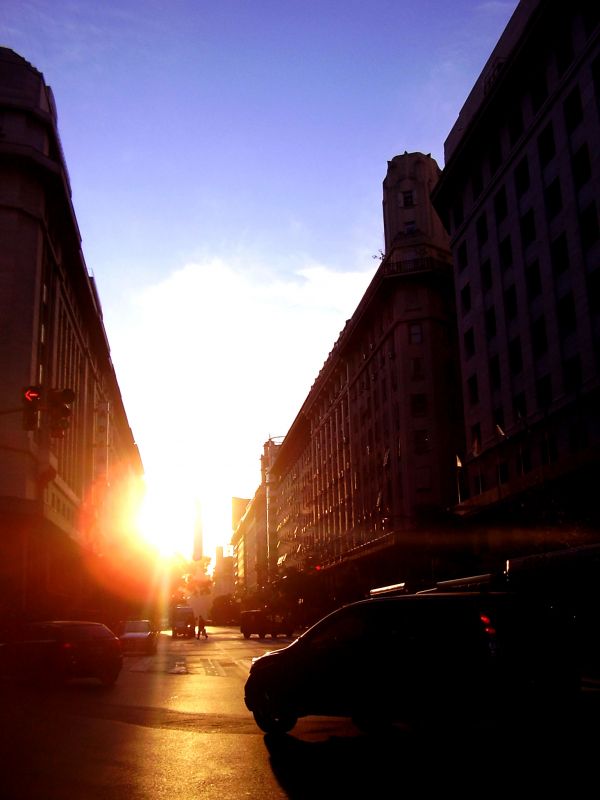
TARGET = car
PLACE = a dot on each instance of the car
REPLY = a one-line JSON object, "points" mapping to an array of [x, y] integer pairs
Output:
{"points": [[137, 636], [260, 622], [63, 650], [183, 622], [468, 658]]}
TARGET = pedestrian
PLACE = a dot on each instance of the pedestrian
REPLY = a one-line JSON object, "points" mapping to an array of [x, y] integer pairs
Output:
{"points": [[201, 627]]}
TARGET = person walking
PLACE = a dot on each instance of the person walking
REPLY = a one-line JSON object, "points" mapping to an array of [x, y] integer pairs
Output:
{"points": [[201, 627]]}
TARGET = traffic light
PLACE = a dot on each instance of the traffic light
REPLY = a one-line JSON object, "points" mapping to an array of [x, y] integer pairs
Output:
{"points": [[32, 400], [59, 411]]}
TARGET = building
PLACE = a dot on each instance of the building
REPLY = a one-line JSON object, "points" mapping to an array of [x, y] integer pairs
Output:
{"points": [[519, 196], [366, 473], [64, 482]]}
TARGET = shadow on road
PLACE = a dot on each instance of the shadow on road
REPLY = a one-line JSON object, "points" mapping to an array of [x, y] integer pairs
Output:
{"points": [[482, 763]]}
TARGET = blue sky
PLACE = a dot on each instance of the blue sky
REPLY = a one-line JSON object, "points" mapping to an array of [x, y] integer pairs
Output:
{"points": [[226, 161]]}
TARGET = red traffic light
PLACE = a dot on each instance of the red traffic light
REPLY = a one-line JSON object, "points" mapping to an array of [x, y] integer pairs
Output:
{"points": [[31, 400], [32, 394]]}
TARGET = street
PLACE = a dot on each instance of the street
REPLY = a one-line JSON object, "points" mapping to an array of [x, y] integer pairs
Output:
{"points": [[175, 726]]}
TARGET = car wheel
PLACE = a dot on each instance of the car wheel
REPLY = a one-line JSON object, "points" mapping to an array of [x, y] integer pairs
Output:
{"points": [[262, 635], [271, 718], [109, 676], [246, 635]]}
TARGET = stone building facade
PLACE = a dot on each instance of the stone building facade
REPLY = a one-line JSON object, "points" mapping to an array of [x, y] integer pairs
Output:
{"points": [[62, 493]]}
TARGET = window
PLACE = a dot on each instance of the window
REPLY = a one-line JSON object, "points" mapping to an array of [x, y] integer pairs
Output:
{"points": [[573, 110], [486, 275], [510, 302], [408, 199], [469, 343], [533, 280], [515, 125], [418, 405], [515, 356], [473, 390], [538, 90], [539, 338], [421, 440], [415, 333], [527, 224], [543, 391], [505, 252], [462, 256], [566, 315], [588, 225], [522, 177], [553, 199], [495, 377], [546, 146], [482, 229], [572, 376], [476, 439], [581, 166], [524, 460], [476, 182], [417, 371], [490, 323], [500, 205], [502, 472], [559, 254], [495, 155], [520, 406], [465, 298]]}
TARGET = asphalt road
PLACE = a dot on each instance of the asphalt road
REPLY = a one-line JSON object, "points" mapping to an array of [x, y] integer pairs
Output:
{"points": [[175, 726]]}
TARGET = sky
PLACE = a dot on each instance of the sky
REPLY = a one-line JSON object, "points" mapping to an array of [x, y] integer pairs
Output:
{"points": [[226, 161]]}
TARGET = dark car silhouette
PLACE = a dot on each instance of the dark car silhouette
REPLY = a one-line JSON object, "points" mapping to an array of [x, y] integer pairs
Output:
{"points": [[60, 650], [464, 657]]}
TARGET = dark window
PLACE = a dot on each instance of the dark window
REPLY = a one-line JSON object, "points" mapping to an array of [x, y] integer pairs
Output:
{"points": [[458, 212], [465, 298], [476, 439], [515, 356], [520, 406], [553, 199], [417, 371], [572, 376], [538, 90], [546, 146], [588, 225], [469, 343], [422, 441], [522, 177], [563, 49], [559, 254], [495, 379], [573, 110], [486, 275], [549, 451], [502, 472], [490, 323], [510, 302], [476, 182], [462, 256], [539, 338], [566, 315], [581, 166], [473, 390], [408, 199], [500, 205], [543, 391], [533, 280], [482, 229], [515, 125], [418, 405], [505, 252], [415, 333], [495, 155], [527, 224], [524, 460], [593, 282]]}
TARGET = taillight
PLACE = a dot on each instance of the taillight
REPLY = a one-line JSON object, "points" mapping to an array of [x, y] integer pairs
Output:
{"points": [[67, 646], [487, 625]]}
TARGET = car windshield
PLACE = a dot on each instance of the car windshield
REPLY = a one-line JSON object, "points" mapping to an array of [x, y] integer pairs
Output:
{"points": [[136, 626]]}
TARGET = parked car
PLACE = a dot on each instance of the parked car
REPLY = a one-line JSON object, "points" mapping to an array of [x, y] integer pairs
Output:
{"points": [[260, 622], [137, 636], [458, 658], [183, 622], [63, 650]]}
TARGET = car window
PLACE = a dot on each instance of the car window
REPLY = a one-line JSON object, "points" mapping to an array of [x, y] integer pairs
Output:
{"points": [[346, 627], [86, 632], [136, 626]]}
